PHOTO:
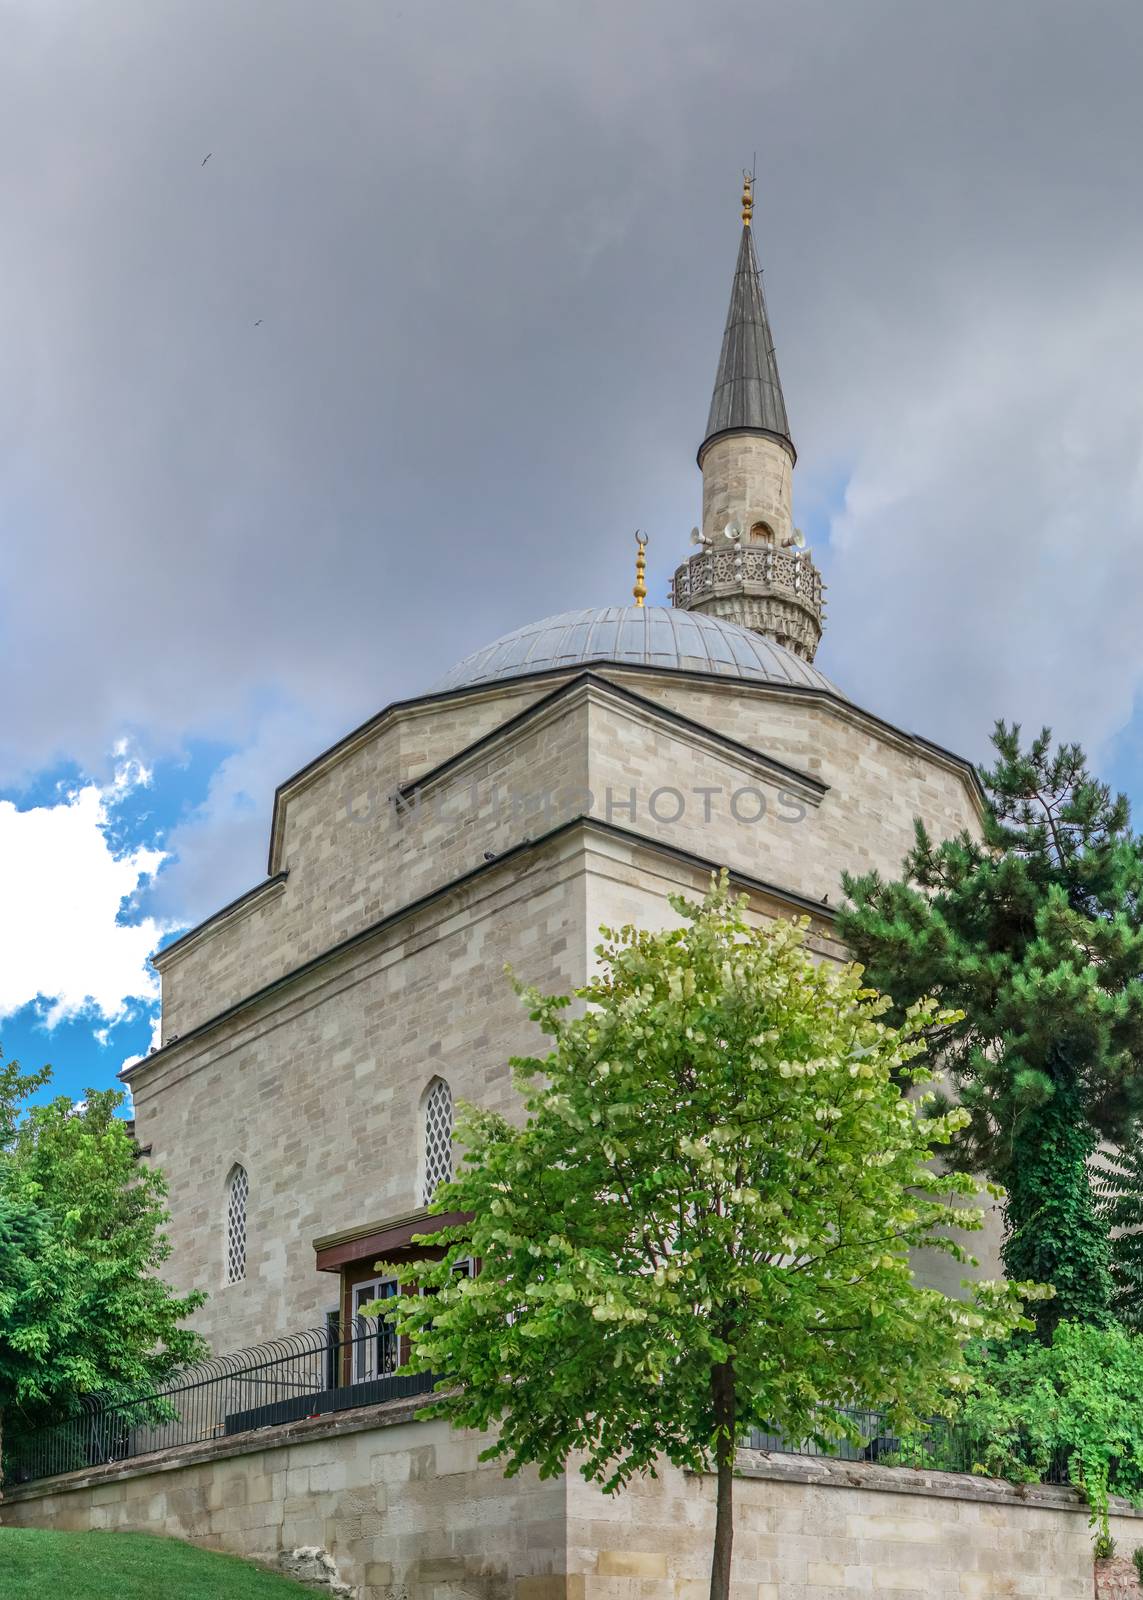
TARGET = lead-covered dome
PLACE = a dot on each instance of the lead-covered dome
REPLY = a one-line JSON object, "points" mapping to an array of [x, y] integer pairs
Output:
{"points": [[640, 636]]}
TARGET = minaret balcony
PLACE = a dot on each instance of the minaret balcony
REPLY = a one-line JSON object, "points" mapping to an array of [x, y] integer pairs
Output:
{"points": [[778, 593]]}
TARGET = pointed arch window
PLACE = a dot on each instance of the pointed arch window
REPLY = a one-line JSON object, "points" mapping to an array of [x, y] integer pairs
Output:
{"points": [[438, 1137], [237, 1196]]}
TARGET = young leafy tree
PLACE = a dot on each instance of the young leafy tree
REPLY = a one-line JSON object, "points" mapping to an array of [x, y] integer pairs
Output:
{"points": [[15, 1087], [25, 1307], [1034, 935], [1119, 1192], [83, 1309], [704, 1224]]}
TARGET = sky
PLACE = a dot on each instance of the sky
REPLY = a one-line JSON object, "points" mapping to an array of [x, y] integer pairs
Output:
{"points": [[338, 339]]}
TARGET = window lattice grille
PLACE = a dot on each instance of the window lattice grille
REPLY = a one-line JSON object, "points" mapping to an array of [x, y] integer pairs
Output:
{"points": [[236, 1225], [438, 1138]]}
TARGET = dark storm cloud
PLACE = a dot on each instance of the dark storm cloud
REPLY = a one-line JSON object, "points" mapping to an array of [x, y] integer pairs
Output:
{"points": [[433, 330]]}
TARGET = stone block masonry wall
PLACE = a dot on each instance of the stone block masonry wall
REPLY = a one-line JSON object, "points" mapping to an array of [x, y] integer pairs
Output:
{"points": [[879, 780], [373, 1505], [812, 1530], [747, 477], [352, 858], [348, 861], [316, 1091], [1117, 1579]]}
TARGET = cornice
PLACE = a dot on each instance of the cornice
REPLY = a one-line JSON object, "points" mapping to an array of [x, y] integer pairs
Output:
{"points": [[478, 694], [781, 894], [563, 681], [588, 687], [235, 911]]}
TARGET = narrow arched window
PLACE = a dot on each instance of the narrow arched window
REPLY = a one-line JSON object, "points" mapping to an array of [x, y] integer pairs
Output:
{"points": [[237, 1195], [438, 1137]]}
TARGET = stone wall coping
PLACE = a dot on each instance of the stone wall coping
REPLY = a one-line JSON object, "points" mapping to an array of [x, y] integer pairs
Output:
{"points": [[832, 1474], [390, 1414]]}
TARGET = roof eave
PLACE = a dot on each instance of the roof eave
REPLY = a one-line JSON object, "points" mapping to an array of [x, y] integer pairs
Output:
{"points": [[758, 433]]}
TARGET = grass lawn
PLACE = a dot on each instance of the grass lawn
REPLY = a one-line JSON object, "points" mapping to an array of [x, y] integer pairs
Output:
{"points": [[35, 1564]]}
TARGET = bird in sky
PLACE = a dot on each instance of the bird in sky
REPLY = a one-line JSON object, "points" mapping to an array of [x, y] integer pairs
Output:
{"points": [[207, 157], [258, 324]]}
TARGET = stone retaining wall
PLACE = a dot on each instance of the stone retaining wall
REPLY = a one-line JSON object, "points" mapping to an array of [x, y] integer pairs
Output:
{"points": [[372, 1505]]}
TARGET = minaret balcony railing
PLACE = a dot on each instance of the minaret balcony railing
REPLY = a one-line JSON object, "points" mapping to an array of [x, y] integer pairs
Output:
{"points": [[774, 571], [773, 591]]}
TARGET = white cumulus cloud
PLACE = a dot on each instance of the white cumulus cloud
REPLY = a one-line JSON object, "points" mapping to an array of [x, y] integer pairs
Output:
{"points": [[64, 887]]}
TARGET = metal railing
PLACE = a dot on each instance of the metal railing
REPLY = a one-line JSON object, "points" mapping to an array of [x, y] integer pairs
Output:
{"points": [[307, 1374], [941, 1446], [330, 1369]]}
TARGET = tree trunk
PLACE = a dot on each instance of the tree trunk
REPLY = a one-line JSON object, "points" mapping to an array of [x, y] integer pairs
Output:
{"points": [[725, 1451]]}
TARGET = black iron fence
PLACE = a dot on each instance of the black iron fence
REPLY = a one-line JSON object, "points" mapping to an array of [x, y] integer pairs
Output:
{"points": [[335, 1368], [940, 1446], [306, 1374]]}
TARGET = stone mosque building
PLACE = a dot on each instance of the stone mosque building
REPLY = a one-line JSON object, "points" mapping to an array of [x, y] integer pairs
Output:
{"points": [[317, 1031]]}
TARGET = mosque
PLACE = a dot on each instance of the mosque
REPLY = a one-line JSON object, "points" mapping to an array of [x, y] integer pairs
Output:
{"points": [[317, 1031]]}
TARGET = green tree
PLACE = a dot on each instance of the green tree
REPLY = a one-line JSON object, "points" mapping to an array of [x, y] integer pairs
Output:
{"points": [[1119, 1190], [1035, 936], [704, 1224], [83, 1309], [15, 1087], [1069, 1405], [25, 1307]]}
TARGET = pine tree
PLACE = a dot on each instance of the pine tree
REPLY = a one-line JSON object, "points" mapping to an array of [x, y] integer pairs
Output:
{"points": [[1035, 934]]}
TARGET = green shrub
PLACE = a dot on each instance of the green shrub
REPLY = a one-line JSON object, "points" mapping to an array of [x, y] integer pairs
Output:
{"points": [[1072, 1408], [1118, 1183]]}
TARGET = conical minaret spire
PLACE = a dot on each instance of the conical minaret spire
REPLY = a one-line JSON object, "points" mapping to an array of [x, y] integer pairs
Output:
{"points": [[750, 567], [747, 389]]}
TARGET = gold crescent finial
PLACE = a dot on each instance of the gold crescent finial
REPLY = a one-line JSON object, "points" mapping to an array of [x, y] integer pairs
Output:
{"points": [[747, 198], [640, 589]]}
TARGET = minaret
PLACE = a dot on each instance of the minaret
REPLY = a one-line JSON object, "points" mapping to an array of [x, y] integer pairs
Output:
{"points": [[749, 567]]}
